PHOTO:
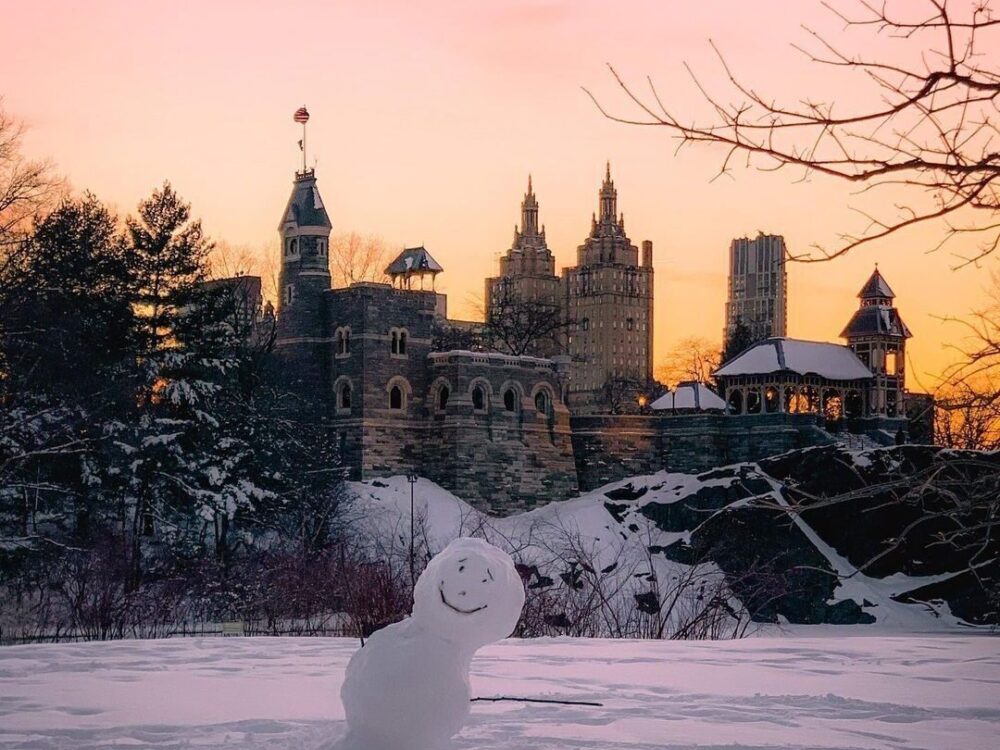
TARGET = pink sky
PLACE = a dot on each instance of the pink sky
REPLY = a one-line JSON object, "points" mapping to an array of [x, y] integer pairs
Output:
{"points": [[427, 119]]}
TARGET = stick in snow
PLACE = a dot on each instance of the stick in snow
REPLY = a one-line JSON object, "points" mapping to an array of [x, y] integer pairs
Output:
{"points": [[537, 700]]}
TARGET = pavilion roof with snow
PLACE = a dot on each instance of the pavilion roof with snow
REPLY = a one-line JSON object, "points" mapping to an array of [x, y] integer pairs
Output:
{"points": [[818, 358], [689, 395]]}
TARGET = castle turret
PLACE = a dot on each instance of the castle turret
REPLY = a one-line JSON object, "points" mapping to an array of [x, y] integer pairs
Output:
{"points": [[305, 260], [878, 335], [303, 284]]}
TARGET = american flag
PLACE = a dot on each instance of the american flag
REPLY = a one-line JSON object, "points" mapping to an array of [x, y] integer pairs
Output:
{"points": [[301, 115]]}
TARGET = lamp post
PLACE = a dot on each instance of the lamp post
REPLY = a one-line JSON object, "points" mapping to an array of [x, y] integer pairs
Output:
{"points": [[412, 479]]}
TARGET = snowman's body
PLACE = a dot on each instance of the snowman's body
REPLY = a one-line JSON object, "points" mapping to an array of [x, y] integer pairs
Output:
{"points": [[408, 687]]}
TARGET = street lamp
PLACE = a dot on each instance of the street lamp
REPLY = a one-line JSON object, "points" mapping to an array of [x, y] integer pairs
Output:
{"points": [[412, 479]]}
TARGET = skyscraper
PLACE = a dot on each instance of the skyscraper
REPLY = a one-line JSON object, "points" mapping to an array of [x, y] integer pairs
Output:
{"points": [[609, 302], [758, 287], [527, 287]]}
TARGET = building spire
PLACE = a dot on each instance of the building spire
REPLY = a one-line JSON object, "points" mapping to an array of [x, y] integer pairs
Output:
{"points": [[529, 212], [609, 197]]}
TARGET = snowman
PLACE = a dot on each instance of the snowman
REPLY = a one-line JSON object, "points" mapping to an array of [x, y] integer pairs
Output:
{"points": [[408, 687]]}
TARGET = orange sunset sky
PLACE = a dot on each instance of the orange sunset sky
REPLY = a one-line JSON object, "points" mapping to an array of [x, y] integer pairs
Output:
{"points": [[427, 118]]}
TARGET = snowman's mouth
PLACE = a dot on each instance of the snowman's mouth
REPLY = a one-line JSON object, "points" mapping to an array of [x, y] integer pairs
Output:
{"points": [[449, 605]]}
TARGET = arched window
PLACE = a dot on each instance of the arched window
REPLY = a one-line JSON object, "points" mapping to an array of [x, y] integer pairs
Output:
{"points": [[340, 341], [443, 394], [479, 398], [510, 400], [293, 246], [347, 341], [542, 402], [289, 294], [321, 246], [402, 342], [396, 398], [394, 346], [345, 396]]}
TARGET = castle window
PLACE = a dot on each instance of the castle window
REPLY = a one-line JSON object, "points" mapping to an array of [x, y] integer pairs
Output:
{"points": [[585, 324], [542, 402], [347, 341], [510, 400], [343, 346], [443, 394], [321, 246], [293, 246], [345, 396], [397, 342], [289, 294], [396, 398], [479, 398]]}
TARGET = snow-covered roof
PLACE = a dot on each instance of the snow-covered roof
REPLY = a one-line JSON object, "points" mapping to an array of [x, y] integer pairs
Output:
{"points": [[830, 361], [413, 260], [690, 395]]}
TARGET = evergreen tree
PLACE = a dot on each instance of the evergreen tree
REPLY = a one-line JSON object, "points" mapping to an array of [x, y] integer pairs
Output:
{"points": [[68, 303], [739, 340], [169, 255]]}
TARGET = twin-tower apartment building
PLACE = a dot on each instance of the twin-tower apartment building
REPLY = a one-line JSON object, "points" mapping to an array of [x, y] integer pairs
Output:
{"points": [[605, 301]]}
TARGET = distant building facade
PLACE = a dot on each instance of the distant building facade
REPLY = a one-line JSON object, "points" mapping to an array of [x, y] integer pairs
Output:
{"points": [[758, 287], [527, 283], [608, 299]]}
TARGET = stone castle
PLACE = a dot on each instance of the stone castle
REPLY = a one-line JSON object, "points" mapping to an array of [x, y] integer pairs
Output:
{"points": [[508, 432]]}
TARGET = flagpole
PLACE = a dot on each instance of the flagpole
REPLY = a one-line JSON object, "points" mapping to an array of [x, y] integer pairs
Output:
{"points": [[303, 148]]}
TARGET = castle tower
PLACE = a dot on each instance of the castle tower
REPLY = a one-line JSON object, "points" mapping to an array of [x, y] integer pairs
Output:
{"points": [[527, 284], [608, 297], [303, 280], [878, 335]]}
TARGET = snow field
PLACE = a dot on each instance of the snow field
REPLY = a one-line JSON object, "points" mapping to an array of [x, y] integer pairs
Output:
{"points": [[838, 691]]}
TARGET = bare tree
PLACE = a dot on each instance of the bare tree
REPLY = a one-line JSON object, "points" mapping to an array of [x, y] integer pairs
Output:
{"points": [[519, 324], [27, 187], [932, 132], [354, 258], [692, 358], [968, 400]]}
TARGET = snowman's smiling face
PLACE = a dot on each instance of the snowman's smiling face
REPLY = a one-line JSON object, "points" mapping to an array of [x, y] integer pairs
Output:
{"points": [[466, 590], [469, 594]]}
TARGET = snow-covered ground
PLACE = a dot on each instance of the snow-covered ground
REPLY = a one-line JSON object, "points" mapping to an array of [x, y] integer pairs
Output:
{"points": [[831, 691]]}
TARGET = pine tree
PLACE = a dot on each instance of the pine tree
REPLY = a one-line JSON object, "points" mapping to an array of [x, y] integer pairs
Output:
{"points": [[169, 255], [739, 340]]}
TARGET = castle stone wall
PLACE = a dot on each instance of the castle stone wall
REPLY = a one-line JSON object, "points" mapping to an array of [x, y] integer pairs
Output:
{"points": [[611, 447]]}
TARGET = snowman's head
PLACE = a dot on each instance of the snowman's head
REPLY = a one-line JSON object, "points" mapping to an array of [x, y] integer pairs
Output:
{"points": [[469, 593]]}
